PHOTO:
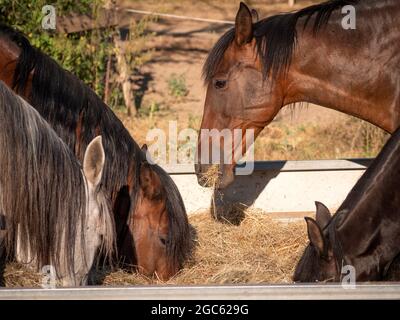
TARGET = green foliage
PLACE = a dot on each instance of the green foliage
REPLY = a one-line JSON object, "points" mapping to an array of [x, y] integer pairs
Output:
{"points": [[83, 54], [177, 86], [135, 51], [151, 110], [131, 53]]}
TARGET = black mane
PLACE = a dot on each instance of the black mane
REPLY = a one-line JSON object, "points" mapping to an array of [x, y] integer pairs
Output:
{"points": [[275, 37], [70, 106]]}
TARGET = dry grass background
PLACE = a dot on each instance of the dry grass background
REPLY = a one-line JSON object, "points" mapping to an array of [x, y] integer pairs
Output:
{"points": [[260, 250], [286, 139]]}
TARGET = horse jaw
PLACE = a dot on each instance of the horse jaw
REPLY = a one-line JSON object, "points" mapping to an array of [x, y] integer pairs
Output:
{"points": [[226, 176]]}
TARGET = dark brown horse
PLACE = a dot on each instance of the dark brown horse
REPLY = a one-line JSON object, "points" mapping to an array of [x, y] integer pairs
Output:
{"points": [[307, 56], [150, 217], [365, 231]]}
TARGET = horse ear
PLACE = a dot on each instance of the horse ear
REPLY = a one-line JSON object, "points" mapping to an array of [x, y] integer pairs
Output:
{"points": [[243, 25], [254, 15], [322, 215], [150, 182], [93, 161], [145, 149], [315, 235]]}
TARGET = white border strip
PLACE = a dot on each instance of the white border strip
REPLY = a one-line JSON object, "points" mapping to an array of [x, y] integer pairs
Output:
{"points": [[254, 292]]}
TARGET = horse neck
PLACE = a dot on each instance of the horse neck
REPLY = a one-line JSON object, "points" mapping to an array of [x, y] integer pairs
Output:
{"points": [[367, 224], [353, 71]]}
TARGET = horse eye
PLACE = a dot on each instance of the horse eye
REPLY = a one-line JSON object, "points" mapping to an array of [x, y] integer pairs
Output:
{"points": [[219, 84], [163, 240]]}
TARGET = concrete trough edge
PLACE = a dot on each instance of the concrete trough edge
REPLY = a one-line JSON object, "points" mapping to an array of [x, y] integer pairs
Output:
{"points": [[275, 186], [286, 166]]}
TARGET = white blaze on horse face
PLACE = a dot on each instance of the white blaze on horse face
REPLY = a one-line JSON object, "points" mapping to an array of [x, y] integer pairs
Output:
{"points": [[95, 223], [94, 229], [93, 164], [85, 253]]}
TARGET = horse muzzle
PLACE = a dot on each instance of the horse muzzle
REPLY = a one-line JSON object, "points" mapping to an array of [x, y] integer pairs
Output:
{"points": [[224, 179]]}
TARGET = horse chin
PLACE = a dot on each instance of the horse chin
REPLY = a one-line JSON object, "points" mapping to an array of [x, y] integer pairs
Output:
{"points": [[226, 178], [165, 274], [199, 169]]}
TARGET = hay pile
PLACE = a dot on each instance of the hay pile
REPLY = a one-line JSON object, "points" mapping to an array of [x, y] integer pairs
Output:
{"points": [[260, 250]]}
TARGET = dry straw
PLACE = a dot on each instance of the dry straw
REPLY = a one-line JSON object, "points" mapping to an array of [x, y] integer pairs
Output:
{"points": [[211, 176], [260, 250]]}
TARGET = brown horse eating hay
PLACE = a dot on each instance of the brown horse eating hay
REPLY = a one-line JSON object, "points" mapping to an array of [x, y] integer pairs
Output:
{"points": [[307, 56], [150, 217]]}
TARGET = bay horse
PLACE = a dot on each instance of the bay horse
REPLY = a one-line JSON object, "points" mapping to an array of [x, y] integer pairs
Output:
{"points": [[150, 216], [256, 68], [364, 232], [52, 211]]}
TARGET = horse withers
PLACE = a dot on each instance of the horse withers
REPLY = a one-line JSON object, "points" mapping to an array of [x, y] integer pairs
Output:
{"points": [[365, 231], [53, 211]]}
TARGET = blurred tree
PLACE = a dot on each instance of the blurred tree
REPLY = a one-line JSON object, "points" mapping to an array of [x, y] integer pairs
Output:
{"points": [[131, 53], [87, 54], [84, 53]]}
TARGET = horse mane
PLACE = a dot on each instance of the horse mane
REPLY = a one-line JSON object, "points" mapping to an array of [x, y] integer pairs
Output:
{"points": [[70, 106], [43, 191], [275, 38]]}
